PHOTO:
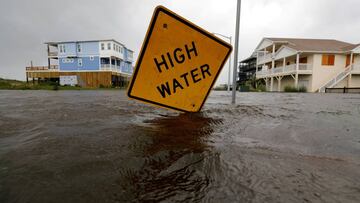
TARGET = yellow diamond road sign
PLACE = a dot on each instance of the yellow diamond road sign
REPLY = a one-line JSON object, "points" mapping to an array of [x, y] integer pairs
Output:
{"points": [[178, 63]]}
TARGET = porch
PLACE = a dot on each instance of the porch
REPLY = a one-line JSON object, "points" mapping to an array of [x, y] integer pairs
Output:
{"points": [[304, 68], [42, 68], [286, 63], [110, 64]]}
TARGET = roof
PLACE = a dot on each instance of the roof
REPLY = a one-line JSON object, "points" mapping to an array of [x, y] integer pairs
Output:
{"points": [[316, 45], [103, 40], [253, 56], [351, 47], [248, 59]]}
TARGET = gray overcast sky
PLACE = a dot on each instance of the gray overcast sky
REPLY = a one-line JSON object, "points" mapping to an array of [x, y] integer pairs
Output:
{"points": [[26, 25]]}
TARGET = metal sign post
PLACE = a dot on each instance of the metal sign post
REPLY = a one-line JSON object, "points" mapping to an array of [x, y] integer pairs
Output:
{"points": [[236, 51]]}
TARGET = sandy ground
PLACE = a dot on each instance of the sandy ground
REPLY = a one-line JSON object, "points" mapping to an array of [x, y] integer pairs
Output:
{"points": [[98, 146]]}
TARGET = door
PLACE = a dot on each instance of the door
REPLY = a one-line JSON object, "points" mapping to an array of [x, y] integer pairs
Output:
{"points": [[303, 60], [348, 57]]}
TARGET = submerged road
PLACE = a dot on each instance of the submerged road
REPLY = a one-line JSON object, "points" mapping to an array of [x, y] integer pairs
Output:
{"points": [[99, 146]]}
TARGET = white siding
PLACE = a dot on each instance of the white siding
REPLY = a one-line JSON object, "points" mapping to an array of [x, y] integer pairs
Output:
{"points": [[323, 74], [355, 81]]}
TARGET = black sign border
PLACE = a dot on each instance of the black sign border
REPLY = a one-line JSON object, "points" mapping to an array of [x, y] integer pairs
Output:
{"points": [[145, 45]]}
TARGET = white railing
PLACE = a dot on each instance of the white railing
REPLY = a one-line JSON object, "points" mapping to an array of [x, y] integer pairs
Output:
{"points": [[290, 68], [277, 70], [107, 67], [43, 68], [53, 53], [339, 77], [262, 73], [285, 70], [305, 66]]}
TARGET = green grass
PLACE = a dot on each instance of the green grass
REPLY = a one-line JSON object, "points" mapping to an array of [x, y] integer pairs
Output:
{"points": [[6, 84]]}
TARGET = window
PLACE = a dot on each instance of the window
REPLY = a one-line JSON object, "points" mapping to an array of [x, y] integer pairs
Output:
{"points": [[67, 60], [121, 50], [114, 47], [303, 60], [328, 60], [62, 48], [80, 62], [79, 47], [109, 46], [102, 46], [348, 58], [91, 58]]}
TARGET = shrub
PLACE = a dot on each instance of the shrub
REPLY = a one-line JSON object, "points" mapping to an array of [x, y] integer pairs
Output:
{"points": [[302, 89], [290, 89], [56, 87], [244, 88], [261, 88], [24, 87], [295, 89]]}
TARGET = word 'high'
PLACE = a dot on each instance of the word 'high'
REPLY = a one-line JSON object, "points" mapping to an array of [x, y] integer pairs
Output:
{"points": [[177, 56]]}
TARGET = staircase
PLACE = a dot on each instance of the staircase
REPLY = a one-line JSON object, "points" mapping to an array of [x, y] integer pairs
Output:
{"points": [[339, 77]]}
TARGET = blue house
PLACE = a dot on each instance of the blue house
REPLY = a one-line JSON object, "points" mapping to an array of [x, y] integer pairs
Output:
{"points": [[92, 63], [94, 55]]}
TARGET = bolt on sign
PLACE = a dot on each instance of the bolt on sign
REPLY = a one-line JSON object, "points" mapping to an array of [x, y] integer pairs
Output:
{"points": [[178, 63]]}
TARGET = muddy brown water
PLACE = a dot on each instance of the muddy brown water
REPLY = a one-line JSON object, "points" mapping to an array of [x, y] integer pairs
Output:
{"points": [[98, 146]]}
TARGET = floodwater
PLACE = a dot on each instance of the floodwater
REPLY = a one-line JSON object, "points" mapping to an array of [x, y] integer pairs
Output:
{"points": [[98, 146]]}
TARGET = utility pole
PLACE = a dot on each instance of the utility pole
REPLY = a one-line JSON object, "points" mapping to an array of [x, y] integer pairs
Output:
{"points": [[229, 74], [236, 51]]}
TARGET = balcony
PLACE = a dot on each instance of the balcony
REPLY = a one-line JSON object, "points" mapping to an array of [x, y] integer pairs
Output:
{"points": [[53, 54], [42, 68], [287, 70], [107, 67]]}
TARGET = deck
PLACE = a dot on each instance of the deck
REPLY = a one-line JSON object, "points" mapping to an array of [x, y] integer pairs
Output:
{"points": [[287, 70]]}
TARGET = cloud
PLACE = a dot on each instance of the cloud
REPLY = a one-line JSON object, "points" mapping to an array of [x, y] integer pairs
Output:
{"points": [[26, 25]]}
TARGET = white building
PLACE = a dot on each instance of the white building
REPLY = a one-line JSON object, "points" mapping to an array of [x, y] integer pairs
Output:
{"points": [[312, 63]]}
